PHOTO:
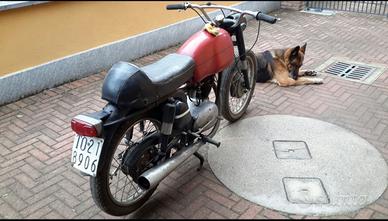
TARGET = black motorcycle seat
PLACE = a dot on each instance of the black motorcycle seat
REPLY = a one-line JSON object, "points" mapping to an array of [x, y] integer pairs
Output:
{"points": [[170, 71], [131, 86]]}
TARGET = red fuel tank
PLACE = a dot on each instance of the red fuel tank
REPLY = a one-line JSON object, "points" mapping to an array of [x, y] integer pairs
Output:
{"points": [[211, 53]]}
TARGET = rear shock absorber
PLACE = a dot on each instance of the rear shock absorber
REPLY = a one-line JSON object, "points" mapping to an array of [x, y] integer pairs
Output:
{"points": [[167, 125]]}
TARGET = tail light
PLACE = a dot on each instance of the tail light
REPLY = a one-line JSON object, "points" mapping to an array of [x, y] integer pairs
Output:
{"points": [[86, 126]]}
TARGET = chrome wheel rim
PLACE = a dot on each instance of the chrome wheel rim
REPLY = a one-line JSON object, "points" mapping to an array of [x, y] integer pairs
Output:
{"points": [[122, 188], [236, 104]]}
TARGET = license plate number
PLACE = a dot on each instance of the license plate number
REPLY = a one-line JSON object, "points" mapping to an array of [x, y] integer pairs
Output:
{"points": [[85, 153]]}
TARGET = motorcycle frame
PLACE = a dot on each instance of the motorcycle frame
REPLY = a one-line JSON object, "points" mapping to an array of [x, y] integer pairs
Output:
{"points": [[112, 116]]}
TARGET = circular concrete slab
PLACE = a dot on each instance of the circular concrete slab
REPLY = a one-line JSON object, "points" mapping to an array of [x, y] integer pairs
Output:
{"points": [[298, 165]]}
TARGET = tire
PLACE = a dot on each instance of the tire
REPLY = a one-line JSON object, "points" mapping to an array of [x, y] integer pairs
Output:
{"points": [[231, 87], [100, 185]]}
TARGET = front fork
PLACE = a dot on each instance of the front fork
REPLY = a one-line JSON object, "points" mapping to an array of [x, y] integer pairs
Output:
{"points": [[242, 56]]}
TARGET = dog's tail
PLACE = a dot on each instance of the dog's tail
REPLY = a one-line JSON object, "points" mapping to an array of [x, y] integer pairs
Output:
{"points": [[264, 69]]}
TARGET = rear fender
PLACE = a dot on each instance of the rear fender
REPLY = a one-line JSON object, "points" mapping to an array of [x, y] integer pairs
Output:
{"points": [[115, 116]]}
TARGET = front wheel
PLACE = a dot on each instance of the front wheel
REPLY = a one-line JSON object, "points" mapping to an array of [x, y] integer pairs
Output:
{"points": [[234, 97]]}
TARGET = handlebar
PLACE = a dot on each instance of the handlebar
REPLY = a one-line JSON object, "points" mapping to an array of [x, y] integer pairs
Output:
{"points": [[267, 18], [175, 7], [258, 15]]}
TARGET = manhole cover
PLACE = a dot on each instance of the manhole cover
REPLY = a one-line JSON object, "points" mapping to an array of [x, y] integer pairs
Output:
{"points": [[352, 70], [287, 149], [298, 165], [305, 190]]}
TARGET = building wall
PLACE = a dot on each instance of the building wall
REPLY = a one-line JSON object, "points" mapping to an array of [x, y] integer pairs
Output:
{"points": [[36, 34], [292, 5], [66, 59]]}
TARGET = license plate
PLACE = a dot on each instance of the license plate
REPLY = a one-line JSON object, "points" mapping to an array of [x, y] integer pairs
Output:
{"points": [[85, 153]]}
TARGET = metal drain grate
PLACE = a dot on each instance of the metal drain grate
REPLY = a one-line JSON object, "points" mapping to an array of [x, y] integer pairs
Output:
{"points": [[351, 71], [344, 68]]}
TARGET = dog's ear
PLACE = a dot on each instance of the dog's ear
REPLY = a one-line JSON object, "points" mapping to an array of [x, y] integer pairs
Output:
{"points": [[294, 53], [303, 48]]}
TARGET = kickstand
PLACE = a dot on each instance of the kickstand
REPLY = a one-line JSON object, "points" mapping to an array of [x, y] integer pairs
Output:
{"points": [[201, 159]]}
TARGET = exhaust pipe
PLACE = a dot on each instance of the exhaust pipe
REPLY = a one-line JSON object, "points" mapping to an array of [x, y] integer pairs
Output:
{"points": [[154, 176]]}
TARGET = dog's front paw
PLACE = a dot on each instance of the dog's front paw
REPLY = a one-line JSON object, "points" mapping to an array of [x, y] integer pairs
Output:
{"points": [[310, 73], [317, 81], [273, 81]]}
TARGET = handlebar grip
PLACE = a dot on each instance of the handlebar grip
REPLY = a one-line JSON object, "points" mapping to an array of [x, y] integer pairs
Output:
{"points": [[175, 7], [266, 18]]}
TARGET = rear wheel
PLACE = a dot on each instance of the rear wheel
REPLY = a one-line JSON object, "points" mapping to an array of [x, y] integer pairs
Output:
{"points": [[113, 189], [234, 97]]}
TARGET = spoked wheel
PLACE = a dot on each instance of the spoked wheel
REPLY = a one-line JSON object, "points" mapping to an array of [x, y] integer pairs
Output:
{"points": [[234, 97], [113, 189]]}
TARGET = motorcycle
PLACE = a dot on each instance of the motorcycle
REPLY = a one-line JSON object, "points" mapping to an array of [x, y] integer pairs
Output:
{"points": [[160, 114]]}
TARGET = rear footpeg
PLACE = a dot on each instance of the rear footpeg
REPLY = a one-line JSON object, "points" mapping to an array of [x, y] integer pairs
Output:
{"points": [[210, 140], [205, 139]]}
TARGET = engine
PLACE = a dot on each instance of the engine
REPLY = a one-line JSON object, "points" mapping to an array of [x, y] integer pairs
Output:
{"points": [[194, 116], [204, 115]]}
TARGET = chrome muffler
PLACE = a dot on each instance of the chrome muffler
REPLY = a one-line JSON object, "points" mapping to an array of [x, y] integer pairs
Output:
{"points": [[152, 177]]}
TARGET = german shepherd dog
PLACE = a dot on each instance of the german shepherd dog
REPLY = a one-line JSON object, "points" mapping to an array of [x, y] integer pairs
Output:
{"points": [[281, 66]]}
